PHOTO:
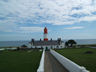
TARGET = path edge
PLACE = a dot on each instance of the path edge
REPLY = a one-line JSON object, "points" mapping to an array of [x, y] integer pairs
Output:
{"points": [[41, 65], [68, 64]]}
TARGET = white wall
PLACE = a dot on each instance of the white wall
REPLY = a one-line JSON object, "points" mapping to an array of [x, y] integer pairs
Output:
{"points": [[41, 66], [68, 64], [49, 46]]}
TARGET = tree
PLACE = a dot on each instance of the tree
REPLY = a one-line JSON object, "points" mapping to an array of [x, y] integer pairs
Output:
{"points": [[24, 46], [71, 43]]}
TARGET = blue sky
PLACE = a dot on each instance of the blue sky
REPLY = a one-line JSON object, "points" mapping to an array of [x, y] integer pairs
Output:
{"points": [[67, 19]]}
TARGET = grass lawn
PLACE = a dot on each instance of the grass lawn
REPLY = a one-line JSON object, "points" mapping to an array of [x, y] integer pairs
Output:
{"points": [[79, 57], [19, 61]]}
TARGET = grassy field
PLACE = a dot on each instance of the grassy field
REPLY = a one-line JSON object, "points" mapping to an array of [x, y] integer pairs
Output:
{"points": [[80, 57], [19, 61]]}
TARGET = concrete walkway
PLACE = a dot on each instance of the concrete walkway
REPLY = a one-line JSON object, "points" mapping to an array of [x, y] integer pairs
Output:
{"points": [[51, 64]]}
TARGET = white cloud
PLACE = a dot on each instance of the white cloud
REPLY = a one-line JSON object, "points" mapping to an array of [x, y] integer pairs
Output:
{"points": [[78, 27], [31, 29], [56, 12], [88, 18]]}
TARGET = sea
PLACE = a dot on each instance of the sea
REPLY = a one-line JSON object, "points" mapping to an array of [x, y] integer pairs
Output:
{"points": [[19, 43]]}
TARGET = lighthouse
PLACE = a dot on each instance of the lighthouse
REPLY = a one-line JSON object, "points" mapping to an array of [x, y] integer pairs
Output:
{"points": [[45, 34], [46, 43]]}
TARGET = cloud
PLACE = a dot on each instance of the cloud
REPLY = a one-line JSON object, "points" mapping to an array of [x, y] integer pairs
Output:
{"points": [[88, 18], [78, 27], [30, 29], [55, 12]]}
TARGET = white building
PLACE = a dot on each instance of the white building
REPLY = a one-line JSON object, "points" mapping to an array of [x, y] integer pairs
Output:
{"points": [[47, 43]]}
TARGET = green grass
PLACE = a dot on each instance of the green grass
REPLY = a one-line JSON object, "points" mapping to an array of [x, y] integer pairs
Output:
{"points": [[79, 57], [19, 61]]}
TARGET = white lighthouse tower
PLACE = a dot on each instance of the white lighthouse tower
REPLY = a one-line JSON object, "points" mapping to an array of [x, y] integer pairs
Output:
{"points": [[45, 34]]}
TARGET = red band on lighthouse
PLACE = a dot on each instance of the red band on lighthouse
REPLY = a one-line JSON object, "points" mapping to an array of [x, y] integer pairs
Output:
{"points": [[45, 34], [45, 39], [45, 30]]}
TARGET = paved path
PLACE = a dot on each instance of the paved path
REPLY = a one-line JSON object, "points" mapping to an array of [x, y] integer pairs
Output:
{"points": [[51, 64]]}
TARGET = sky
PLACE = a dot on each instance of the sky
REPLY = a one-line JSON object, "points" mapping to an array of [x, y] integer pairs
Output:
{"points": [[65, 19]]}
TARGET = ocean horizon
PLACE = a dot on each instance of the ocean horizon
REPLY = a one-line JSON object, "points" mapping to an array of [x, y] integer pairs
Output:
{"points": [[19, 43]]}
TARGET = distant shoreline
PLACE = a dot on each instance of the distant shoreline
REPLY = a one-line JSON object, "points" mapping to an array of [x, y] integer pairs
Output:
{"points": [[12, 44], [88, 45], [49, 39]]}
